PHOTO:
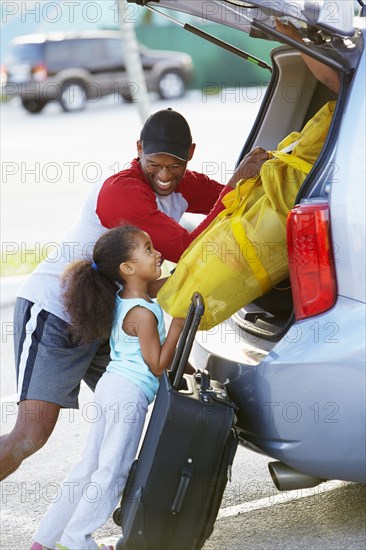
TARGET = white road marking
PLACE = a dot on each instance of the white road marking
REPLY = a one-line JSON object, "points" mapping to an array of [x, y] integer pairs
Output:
{"points": [[283, 498]]}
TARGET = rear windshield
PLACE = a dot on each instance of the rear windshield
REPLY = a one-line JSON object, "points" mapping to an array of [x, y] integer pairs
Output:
{"points": [[25, 53]]}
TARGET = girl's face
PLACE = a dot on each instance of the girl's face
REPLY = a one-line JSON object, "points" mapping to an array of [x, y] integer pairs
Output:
{"points": [[146, 260]]}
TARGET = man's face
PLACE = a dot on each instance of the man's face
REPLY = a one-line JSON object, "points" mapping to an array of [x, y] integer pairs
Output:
{"points": [[164, 172]]}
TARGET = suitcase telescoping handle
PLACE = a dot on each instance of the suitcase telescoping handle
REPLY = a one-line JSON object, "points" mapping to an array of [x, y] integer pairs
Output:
{"points": [[193, 318]]}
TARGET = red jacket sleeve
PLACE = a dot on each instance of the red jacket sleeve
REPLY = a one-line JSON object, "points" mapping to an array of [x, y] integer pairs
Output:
{"points": [[133, 201]]}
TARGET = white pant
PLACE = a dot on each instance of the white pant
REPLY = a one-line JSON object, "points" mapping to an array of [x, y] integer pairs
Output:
{"points": [[92, 489]]}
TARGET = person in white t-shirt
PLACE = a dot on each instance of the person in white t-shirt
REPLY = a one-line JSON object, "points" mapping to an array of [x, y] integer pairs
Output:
{"points": [[111, 295]]}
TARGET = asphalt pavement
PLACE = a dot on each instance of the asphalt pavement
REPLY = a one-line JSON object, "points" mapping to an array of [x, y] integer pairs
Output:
{"points": [[253, 514]]}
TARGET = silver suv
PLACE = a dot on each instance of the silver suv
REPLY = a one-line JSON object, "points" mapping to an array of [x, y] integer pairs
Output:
{"points": [[294, 359], [73, 68]]}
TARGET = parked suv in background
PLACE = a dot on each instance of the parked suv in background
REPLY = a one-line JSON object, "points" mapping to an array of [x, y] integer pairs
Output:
{"points": [[298, 373], [73, 68]]}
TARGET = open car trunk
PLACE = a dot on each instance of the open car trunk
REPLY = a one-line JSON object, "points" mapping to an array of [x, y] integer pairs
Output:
{"points": [[272, 360], [293, 96]]}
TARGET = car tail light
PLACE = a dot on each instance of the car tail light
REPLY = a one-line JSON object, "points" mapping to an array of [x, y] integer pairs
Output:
{"points": [[3, 75], [311, 261], [39, 73]]}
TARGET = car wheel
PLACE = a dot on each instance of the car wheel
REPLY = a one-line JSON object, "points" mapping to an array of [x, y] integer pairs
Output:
{"points": [[127, 98], [33, 106], [117, 516], [72, 97], [171, 85]]}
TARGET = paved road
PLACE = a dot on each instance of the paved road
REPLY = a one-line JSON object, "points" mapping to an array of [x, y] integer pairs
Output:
{"points": [[254, 515], [39, 200]]}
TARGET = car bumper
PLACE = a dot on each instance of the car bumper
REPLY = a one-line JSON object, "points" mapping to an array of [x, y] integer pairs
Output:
{"points": [[301, 401]]}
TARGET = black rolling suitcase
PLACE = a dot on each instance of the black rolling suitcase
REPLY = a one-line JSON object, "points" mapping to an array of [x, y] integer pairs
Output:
{"points": [[174, 489]]}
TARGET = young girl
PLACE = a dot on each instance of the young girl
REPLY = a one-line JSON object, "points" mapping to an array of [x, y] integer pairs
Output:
{"points": [[111, 296]]}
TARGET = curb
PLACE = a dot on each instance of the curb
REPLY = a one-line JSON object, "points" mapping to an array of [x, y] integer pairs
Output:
{"points": [[9, 288]]}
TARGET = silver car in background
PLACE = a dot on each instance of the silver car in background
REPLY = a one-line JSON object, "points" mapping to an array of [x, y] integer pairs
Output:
{"points": [[75, 68]]}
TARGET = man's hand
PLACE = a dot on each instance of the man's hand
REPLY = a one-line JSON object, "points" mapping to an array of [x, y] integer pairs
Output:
{"points": [[250, 166], [325, 74], [289, 30]]}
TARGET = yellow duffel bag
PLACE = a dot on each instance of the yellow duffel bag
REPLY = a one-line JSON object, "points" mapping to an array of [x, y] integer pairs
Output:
{"points": [[242, 254]]}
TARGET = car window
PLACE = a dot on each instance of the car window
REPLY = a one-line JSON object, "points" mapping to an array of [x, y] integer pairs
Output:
{"points": [[88, 53], [114, 51], [61, 54], [25, 53]]}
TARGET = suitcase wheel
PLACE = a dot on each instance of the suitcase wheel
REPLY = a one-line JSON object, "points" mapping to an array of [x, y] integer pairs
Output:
{"points": [[119, 545], [117, 516]]}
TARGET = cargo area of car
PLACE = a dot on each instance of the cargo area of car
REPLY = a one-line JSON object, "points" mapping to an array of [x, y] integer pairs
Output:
{"points": [[293, 97]]}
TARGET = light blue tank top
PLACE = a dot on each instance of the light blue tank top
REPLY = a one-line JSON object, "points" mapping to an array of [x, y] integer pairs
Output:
{"points": [[126, 356]]}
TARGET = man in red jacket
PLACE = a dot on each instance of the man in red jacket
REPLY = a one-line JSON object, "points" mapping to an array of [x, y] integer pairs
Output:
{"points": [[153, 193], [157, 189]]}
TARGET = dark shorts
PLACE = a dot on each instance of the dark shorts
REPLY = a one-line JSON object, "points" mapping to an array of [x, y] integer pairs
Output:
{"points": [[49, 366]]}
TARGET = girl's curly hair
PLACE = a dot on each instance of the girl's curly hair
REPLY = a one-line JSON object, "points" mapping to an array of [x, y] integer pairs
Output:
{"points": [[89, 290]]}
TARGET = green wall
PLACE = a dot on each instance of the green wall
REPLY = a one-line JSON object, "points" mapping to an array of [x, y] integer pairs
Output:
{"points": [[212, 64]]}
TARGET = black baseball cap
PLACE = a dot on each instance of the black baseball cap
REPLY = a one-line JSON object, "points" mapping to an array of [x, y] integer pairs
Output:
{"points": [[166, 131]]}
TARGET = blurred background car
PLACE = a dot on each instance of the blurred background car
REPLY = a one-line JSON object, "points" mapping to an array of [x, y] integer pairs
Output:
{"points": [[74, 68]]}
